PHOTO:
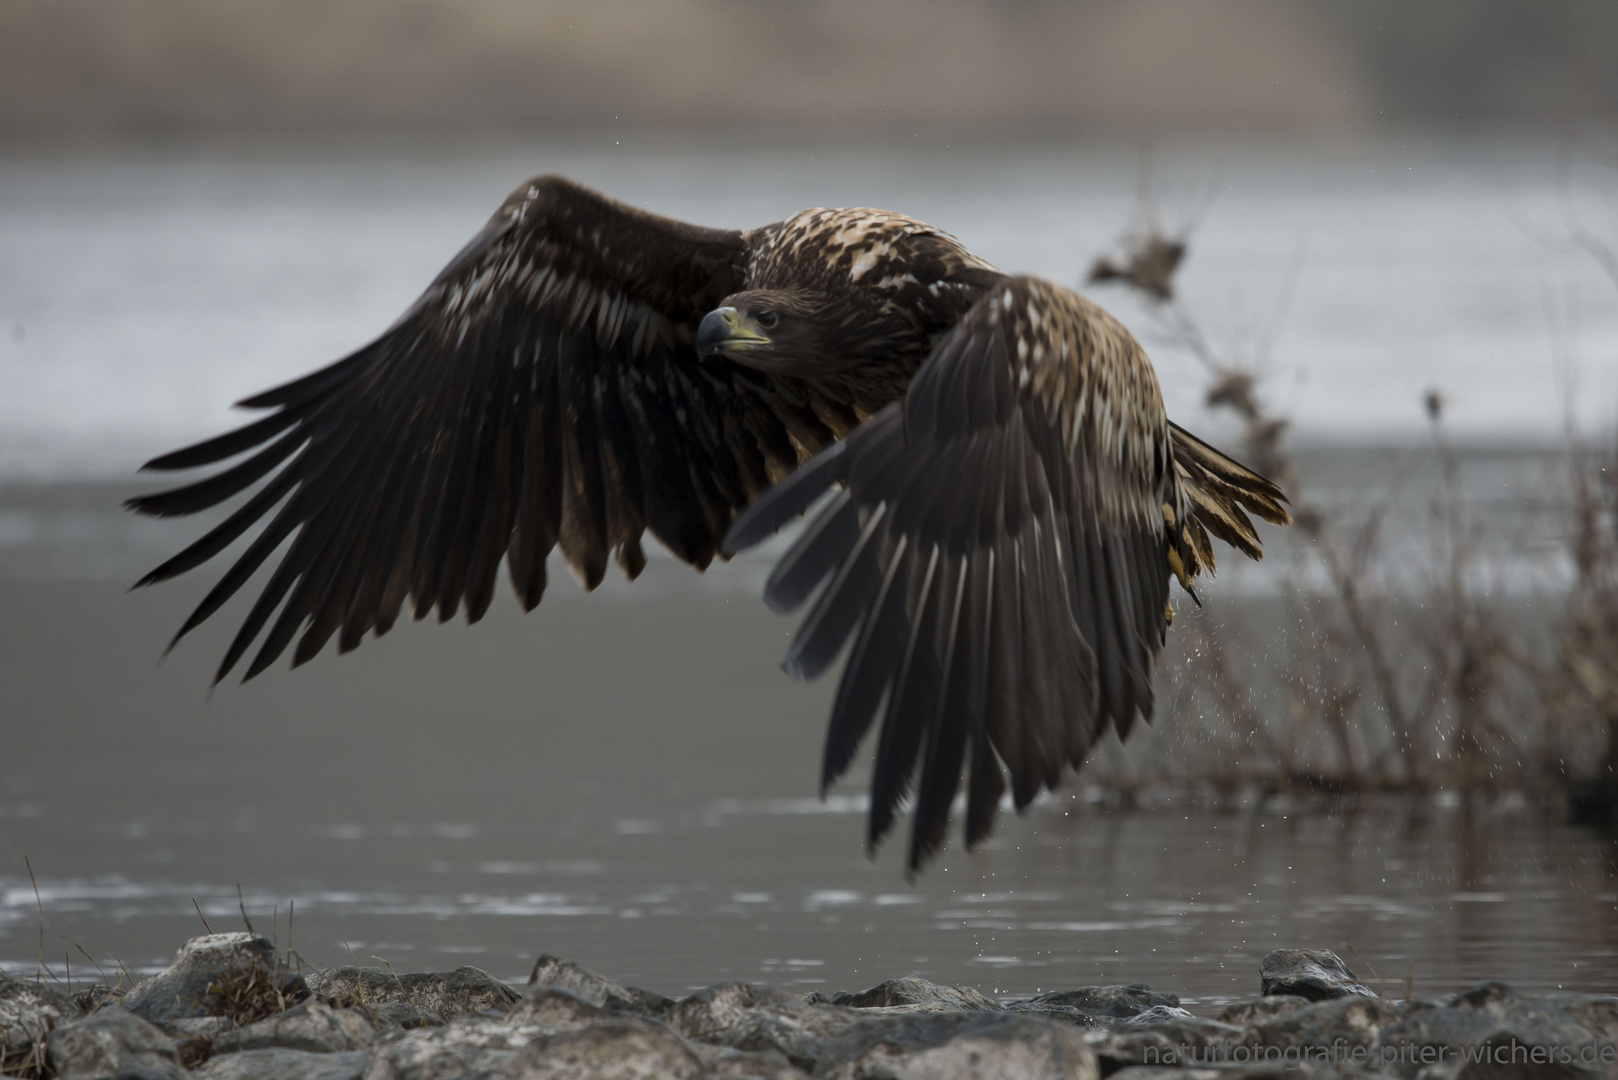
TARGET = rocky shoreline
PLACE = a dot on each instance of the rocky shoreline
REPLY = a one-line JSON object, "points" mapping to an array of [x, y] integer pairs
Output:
{"points": [[229, 1008]]}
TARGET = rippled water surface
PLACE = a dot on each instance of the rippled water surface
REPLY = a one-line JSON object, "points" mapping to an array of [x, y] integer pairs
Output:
{"points": [[627, 779]]}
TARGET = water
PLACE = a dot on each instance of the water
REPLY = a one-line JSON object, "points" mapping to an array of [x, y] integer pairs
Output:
{"points": [[627, 779], [139, 296]]}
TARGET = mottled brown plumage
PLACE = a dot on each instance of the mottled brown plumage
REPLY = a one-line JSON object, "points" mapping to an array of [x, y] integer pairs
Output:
{"points": [[1013, 498], [1000, 553]]}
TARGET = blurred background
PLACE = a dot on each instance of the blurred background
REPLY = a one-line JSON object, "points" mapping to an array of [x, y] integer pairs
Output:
{"points": [[184, 69], [1397, 737]]}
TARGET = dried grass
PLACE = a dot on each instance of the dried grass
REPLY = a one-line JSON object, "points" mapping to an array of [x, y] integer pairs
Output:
{"points": [[27, 1062], [247, 995], [194, 1052]]}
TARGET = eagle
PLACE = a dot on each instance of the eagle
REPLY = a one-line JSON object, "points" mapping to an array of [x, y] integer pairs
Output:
{"points": [[1008, 499]]}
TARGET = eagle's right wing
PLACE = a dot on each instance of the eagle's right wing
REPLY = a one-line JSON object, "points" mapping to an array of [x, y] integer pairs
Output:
{"points": [[543, 391], [997, 554]]}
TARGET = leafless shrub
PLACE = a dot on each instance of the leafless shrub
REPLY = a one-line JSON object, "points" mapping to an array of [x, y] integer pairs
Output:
{"points": [[1394, 680]]}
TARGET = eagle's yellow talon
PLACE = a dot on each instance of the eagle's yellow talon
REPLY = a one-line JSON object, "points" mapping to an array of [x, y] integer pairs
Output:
{"points": [[1179, 569]]}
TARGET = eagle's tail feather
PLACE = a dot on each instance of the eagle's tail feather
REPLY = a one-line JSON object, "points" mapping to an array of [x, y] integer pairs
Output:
{"points": [[1219, 487]]}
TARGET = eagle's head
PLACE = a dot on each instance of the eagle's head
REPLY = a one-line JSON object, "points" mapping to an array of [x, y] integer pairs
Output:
{"points": [[807, 332]]}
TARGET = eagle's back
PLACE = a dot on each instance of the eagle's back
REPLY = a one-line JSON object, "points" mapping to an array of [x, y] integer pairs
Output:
{"points": [[898, 285], [906, 264]]}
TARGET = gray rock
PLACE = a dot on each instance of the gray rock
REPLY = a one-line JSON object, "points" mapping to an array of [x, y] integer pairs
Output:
{"points": [[198, 1027], [946, 1046], [724, 1061], [28, 1012], [444, 994], [283, 1064], [710, 1011], [480, 1045], [1064, 1014], [1316, 974], [1347, 1022], [1182, 1027], [596, 989], [310, 1025], [1159, 1015], [1537, 1028], [796, 1030], [1599, 1014], [556, 1010], [440, 1060], [112, 1044], [1118, 1002], [1248, 1012], [1119, 1050], [913, 990], [402, 1014], [181, 990], [1239, 1071], [617, 1048], [1175, 1039]]}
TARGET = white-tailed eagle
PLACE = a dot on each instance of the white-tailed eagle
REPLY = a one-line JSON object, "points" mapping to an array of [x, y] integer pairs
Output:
{"points": [[1011, 498]]}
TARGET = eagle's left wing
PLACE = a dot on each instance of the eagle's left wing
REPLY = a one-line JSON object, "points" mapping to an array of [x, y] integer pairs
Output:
{"points": [[999, 553], [543, 392]]}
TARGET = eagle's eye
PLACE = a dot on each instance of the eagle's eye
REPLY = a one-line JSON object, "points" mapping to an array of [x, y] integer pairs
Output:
{"points": [[768, 319]]}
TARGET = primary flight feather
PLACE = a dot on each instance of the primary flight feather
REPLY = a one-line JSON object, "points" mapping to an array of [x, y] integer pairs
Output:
{"points": [[1011, 497]]}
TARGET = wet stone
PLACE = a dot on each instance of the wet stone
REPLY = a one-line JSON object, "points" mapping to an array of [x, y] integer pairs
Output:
{"points": [[945, 1046], [1108, 1002], [284, 1064], [197, 1027], [556, 1010], [710, 1011], [1159, 1015], [1174, 1039], [618, 1047], [442, 994], [311, 1025], [796, 1030], [1249, 1012], [181, 989], [597, 989], [1316, 974], [479, 1045], [112, 1044], [28, 1011], [913, 990], [1064, 1014], [370, 1024], [1116, 1051], [1347, 1022], [727, 1062], [1239, 1071], [1182, 1027], [1538, 1029], [402, 1014], [1598, 1013]]}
